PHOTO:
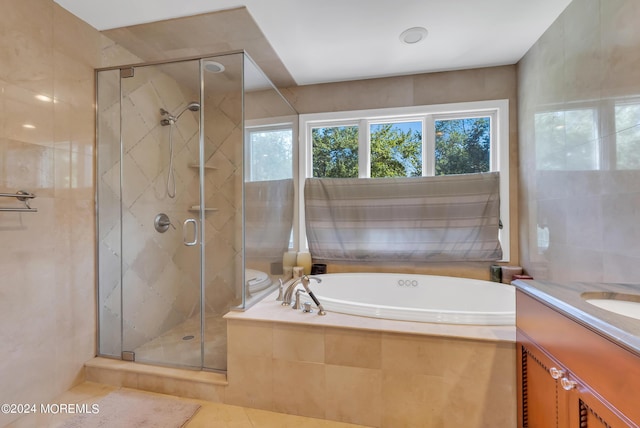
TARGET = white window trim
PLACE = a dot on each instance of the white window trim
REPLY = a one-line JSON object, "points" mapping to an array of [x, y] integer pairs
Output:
{"points": [[497, 109]]}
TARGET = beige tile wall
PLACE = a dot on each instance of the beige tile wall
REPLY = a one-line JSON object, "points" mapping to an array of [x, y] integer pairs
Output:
{"points": [[371, 378], [47, 289], [588, 59]]}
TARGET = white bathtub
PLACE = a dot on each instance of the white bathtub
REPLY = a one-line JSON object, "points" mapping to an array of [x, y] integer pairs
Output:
{"points": [[423, 298]]}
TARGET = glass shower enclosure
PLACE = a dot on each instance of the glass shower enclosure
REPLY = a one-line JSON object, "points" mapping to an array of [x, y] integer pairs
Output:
{"points": [[195, 202]]}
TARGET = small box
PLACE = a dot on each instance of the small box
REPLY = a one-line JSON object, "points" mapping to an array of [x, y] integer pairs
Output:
{"points": [[496, 273]]}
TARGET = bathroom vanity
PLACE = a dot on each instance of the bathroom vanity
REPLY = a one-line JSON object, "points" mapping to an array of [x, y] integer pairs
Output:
{"points": [[578, 363]]}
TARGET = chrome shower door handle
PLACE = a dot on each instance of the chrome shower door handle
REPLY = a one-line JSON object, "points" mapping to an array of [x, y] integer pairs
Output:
{"points": [[195, 232]]}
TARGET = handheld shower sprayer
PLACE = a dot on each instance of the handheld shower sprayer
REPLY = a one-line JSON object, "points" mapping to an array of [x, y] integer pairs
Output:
{"points": [[169, 120]]}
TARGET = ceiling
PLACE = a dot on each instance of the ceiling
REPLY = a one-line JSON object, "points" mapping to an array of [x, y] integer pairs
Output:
{"points": [[337, 40]]}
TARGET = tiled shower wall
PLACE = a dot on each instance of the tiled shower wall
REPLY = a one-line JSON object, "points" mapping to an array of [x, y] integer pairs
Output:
{"points": [[159, 271], [579, 115], [223, 188]]}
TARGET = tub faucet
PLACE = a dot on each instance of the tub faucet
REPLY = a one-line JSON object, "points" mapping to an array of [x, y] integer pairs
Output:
{"points": [[291, 285], [288, 287], [304, 280]]}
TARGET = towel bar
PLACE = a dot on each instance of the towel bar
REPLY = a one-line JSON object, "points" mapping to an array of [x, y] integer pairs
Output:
{"points": [[23, 196]]}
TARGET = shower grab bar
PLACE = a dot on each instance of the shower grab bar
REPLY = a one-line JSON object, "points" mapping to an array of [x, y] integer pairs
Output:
{"points": [[23, 196]]}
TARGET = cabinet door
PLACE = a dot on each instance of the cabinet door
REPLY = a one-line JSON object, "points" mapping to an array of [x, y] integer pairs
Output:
{"points": [[588, 410], [540, 404]]}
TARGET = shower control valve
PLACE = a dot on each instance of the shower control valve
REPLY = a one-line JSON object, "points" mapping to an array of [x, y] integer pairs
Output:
{"points": [[162, 223]]}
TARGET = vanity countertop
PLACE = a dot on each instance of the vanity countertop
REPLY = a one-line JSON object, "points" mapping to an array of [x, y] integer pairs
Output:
{"points": [[568, 299]]}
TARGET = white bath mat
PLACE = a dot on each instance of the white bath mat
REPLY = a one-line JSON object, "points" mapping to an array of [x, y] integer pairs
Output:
{"points": [[124, 409]]}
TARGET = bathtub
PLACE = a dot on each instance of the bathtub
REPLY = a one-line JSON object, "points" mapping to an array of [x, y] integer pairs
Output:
{"points": [[339, 354], [422, 298]]}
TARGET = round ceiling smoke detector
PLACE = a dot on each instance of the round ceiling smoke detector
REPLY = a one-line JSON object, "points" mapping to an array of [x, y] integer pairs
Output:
{"points": [[413, 35], [213, 66]]}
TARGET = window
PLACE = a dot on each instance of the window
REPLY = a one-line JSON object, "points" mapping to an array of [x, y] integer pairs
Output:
{"points": [[335, 151], [408, 142], [463, 146], [270, 154], [396, 149]]}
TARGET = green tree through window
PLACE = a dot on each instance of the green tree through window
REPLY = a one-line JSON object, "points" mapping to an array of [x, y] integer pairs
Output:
{"points": [[396, 152], [462, 146], [335, 152]]}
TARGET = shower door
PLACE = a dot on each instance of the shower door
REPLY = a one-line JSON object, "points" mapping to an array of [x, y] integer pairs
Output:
{"points": [[186, 232], [162, 243]]}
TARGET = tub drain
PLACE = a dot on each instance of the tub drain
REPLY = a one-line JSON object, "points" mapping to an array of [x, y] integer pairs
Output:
{"points": [[189, 337]]}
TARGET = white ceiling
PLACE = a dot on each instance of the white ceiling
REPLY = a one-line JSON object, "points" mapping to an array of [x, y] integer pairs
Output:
{"points": [[336, 40]]}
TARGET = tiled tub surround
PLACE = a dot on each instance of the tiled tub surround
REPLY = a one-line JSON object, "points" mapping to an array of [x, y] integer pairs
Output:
{"points": [[367, 371], [373, 372]]}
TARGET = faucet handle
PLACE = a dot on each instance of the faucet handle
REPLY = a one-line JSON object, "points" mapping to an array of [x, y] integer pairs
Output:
{"points": [[296, 305], [307, 307]]}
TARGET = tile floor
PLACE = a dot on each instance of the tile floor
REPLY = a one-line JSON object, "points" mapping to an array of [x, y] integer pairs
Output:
{"points": [[210, 415]]}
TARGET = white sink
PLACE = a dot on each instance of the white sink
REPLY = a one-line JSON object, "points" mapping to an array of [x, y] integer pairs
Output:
{"points": [[618, 305]]}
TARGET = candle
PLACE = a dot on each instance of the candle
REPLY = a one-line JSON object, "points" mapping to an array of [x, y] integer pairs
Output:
{"points": [[304, 260], [289, 259]]}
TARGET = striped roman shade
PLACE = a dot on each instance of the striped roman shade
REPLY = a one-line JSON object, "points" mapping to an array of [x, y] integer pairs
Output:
{"points": [[418, 219]]}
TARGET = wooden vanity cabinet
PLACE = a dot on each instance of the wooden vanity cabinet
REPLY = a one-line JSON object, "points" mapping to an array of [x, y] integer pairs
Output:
{"points": [[551, 393], [551, 396]]}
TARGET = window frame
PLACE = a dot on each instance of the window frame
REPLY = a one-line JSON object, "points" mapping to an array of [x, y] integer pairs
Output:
{"points": [[498, 110]]}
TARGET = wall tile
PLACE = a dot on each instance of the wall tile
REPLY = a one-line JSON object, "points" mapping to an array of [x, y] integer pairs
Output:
{"points": [[298, 343], [354, 395], [585, 60], [412, 399], [55, 245], [353, 348], [415, 354], [251, 381], [251, 339], [299, 388]]}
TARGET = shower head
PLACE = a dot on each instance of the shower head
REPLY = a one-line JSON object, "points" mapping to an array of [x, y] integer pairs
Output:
{"points": [[170, 119], [192, 106]]}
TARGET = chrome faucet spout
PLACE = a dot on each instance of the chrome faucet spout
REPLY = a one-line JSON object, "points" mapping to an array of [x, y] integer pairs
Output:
{"points": [[289, 286]]}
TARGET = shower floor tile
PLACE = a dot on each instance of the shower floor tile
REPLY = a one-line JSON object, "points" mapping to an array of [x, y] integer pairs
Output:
{"points": [[180, 346]]}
